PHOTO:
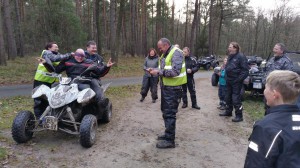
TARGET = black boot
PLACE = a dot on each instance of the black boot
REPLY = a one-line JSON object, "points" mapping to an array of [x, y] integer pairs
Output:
{"points": [[165, 144], [184, 105], [161, 137], [238, 114], [228, 111], [196, 107], [142, 99]]}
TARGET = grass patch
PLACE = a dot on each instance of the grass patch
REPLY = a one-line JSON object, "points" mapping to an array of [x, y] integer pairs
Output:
{"points": [[9, 108], [254, 107], [3, 153], [22, 70]]}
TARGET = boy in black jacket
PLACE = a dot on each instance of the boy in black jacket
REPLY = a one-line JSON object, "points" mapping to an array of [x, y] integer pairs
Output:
{"points": [[275, 140]]}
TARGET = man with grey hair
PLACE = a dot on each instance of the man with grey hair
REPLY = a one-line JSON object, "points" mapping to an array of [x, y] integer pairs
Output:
{"points": [[280, 61], [172, 74]]}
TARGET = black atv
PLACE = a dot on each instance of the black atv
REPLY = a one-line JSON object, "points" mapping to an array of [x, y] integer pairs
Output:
{"points": [[208, 61], [254, 82]]}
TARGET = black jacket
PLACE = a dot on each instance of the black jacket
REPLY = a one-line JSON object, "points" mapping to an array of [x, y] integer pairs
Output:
{"points": [[74, 68], [191, 63], [275, 140], [237, 68]]}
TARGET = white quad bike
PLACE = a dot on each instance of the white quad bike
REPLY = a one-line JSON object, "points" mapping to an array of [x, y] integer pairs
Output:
{"points": [[70, 110]]}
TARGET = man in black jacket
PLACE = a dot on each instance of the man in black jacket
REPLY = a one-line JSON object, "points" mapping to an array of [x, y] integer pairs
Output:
{"points": [[191, 68], [91, 53], [237, 70], [76, 65], [275, 140]]}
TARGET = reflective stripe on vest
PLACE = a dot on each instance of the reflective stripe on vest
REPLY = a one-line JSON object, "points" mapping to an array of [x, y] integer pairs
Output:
{"points": [[177, 80], [41, 71]]}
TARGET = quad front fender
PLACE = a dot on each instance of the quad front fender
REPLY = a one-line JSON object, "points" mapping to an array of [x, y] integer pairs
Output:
{"points": [[40, 91]]}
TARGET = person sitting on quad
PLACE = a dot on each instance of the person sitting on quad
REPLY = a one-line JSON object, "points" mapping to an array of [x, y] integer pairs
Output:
{"points": [[76, 65]]}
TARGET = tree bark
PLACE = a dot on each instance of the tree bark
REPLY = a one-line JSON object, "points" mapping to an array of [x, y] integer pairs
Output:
{"points": [[186, 24], [19, 30], [210, 36], [98, 26], [119, 26], [113, 51], [2, 50], [195, 22], [11, 42]]}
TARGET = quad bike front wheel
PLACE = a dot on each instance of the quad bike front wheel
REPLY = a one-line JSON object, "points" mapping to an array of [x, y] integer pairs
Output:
{"points": [[22, 127], [207, 67], [88, 129]]}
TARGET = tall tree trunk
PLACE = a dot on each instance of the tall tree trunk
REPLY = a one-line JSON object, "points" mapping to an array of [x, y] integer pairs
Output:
{"points": [[195, 21], [144, 26], [105, 25], [79, 9], [133, 27], [11, 42], [119, 26], [152, 26], [2, 49], [98, 26], [113, 51], [186, 24], [220, 23], [19, 30], [210, 35], [158, 20], [173, 22]]}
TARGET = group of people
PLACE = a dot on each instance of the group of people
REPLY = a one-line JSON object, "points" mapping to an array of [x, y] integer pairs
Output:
{"points": [[275, 140], [74, 64]]}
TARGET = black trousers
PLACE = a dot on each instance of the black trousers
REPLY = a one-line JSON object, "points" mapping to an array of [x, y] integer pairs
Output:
{"points": [[170, 98], [149, 83], [40, 104], [190, 85], [96, 87], [233, 98]]}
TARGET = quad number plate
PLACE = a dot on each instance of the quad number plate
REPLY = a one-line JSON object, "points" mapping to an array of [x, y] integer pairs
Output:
{"points": [[257, 85], [50, 123]]}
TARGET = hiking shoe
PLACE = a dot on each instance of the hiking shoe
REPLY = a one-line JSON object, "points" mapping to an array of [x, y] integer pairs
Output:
{"points": [[165, 144], [142, 99], [184, 105]]}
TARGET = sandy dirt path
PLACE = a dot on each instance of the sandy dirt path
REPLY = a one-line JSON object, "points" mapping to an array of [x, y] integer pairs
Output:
{"points": [[203, 139]]}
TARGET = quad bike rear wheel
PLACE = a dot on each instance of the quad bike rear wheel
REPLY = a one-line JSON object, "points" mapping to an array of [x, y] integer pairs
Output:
{"points": [[214, 79], [88, 129], [22, 127], [107, 113]]}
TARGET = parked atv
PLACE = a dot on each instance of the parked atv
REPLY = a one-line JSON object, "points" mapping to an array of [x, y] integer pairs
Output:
{"points": [[207, 62], [254, 82], [70, 110]]}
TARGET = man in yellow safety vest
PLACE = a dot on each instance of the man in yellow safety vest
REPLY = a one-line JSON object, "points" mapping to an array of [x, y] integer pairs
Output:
{"points": [[172, 74], [51, 55]]}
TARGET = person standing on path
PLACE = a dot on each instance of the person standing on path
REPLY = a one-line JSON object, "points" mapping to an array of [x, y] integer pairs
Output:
{"points": [[191, 68], [280, 61], [150, 81], [172, 74], [237, 70], [52, 56]]}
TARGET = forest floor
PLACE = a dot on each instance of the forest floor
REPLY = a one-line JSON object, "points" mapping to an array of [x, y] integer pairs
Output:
{"points": [[203, 139]]}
